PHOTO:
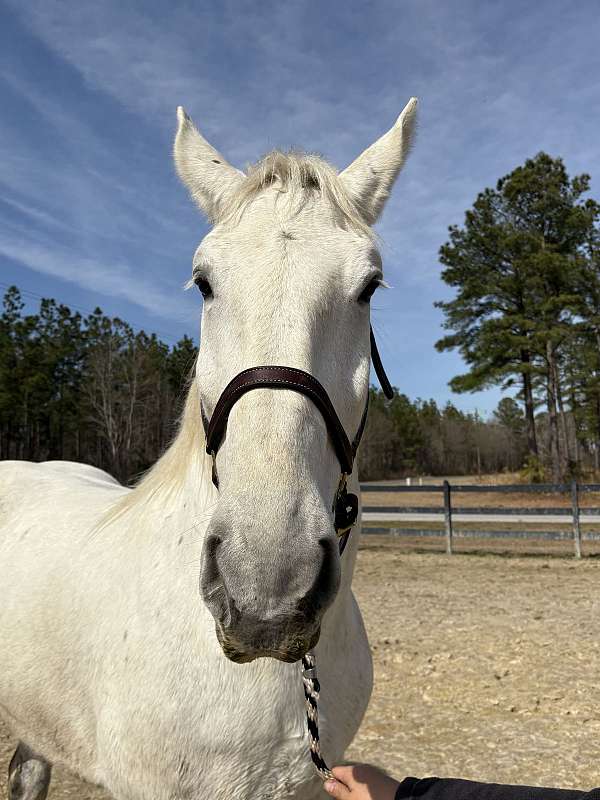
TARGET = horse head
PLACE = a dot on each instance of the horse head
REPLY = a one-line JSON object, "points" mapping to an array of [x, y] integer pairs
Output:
{"points": [[286, 273]]}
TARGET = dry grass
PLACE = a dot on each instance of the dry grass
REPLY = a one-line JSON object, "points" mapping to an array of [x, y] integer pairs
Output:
{"points": [[478, 499]]}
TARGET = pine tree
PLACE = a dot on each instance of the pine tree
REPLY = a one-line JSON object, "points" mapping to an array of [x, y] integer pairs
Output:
{"points": [[514, 266]]}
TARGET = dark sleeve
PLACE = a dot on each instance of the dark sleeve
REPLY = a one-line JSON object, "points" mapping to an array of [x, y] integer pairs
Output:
{"points": [[455, 789]]}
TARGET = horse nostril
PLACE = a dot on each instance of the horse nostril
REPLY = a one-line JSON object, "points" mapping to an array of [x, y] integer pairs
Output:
{"points": [[210, 566], [211, 582], [212, 543], [330, 565], [326, 582]]}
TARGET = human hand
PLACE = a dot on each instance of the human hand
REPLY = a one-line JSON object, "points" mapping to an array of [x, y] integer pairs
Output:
{"points": [[361, 782]]}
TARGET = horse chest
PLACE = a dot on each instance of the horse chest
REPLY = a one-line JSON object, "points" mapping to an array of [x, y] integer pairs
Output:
{"points": [[241, 733], [193, 753]]}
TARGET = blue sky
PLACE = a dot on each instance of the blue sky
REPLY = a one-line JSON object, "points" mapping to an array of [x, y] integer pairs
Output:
{"points": [[91, 212]]}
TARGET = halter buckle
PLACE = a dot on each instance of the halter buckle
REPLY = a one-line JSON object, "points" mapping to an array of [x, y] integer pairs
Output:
{"points": [[345, 509]]}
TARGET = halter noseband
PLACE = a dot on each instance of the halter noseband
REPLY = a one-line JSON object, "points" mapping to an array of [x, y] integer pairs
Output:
{"points": [[345, 505]]}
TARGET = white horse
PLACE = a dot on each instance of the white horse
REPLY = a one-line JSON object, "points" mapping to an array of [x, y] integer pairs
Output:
{"points": [[109, 662]]}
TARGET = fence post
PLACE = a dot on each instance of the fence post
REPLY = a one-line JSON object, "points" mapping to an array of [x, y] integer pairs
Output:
{"points": [[448, 517], [576, 526]]}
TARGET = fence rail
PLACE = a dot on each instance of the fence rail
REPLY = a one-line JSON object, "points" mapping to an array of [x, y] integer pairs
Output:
{"points": [[507, 488], [449, 514], [477, 510], [550, 536]]}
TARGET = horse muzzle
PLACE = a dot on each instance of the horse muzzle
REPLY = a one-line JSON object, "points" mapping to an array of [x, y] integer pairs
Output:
{"points": [[267, 602], [288, 647]]}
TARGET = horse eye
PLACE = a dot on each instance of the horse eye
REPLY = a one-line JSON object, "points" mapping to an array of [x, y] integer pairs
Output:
{"points": [[204, 287], [369, 290]]}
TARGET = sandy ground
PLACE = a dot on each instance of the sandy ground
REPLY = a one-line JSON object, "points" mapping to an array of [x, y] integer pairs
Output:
{"points": [[486, 666]]}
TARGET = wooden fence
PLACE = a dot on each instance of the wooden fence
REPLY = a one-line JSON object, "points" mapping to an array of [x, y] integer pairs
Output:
{"points": [[448, 491]]}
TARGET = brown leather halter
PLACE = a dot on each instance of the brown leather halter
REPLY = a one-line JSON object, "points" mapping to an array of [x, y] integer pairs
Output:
{"points": [[345, 505]]}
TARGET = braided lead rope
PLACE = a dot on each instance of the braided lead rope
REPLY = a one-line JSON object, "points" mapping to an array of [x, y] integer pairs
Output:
{"points": [[311, 695]]}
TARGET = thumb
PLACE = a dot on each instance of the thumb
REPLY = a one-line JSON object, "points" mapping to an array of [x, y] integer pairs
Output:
{"points": [[337, 789]]}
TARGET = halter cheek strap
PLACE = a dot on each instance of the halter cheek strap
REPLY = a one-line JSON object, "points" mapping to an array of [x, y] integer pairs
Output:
{"points": [[345, 505]]}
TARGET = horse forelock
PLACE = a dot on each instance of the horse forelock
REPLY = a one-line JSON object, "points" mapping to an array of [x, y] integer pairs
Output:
{"points": [[298, 174]]}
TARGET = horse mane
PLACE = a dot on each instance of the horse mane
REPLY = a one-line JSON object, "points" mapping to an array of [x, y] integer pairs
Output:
{"points": [[298, 174], [185, 456]]}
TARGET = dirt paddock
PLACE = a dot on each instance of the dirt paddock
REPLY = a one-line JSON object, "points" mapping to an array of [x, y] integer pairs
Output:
{"points": [[486, 666]]}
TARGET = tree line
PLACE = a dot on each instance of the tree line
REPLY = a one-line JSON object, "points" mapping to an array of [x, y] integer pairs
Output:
{"points": [[86, 388], [91, 389], [525, 316], [525, 267], [407, 438]]}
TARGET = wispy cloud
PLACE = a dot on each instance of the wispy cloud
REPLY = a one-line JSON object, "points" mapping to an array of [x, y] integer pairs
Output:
{"points": [[86, 215], [108, 279], [31, 213], [90, 182]]}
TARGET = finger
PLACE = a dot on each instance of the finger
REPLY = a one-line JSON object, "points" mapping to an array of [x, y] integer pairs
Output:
{"points": [[344, 775], [337, 789]]}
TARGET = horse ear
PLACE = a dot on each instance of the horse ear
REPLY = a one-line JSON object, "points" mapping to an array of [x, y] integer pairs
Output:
{"points": [[210, 180], [369, 179]]}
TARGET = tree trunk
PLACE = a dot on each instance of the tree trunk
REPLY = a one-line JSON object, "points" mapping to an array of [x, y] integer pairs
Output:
{"points": [[529, 405], [554, 448], [566, 450], [597, 443], [575, 417]]}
